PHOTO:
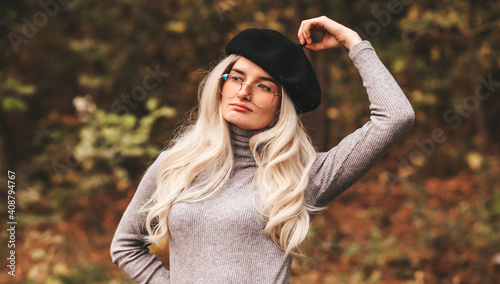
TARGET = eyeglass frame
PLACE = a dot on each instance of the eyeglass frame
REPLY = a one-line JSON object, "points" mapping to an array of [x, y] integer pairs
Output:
{"points": [[221, 85]]}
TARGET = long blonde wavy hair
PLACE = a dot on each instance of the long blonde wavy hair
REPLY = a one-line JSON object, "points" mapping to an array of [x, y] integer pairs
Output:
{"points": [[284, 155]]}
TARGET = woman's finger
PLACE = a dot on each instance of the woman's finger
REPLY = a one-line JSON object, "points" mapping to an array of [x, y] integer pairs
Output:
{"points": [[299, 33], [307, 33], [306, 26], [303, 34], [316, 46]]}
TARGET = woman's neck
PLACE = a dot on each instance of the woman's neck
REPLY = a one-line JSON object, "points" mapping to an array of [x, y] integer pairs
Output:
{"points": [[240, 140]]}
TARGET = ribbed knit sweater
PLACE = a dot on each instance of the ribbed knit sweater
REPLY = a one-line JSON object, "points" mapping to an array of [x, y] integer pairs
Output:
{"points": [[221, 239]]}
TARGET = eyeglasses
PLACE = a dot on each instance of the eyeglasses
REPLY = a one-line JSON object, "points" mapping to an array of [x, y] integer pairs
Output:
{"points": [[261, 94]]}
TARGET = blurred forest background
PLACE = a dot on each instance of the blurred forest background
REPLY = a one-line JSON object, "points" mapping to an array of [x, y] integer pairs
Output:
{"points": [[90, 91]]}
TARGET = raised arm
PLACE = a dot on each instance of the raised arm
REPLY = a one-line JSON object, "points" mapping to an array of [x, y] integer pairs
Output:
{"points": [[391, 113], [128, 248]]}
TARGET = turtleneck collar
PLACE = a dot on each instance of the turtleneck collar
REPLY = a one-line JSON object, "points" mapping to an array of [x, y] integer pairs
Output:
{"points": [[240, 139], [243, 135]]}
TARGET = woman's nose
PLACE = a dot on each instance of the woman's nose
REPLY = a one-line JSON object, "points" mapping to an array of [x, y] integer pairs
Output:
{"points": [[246, 90]]}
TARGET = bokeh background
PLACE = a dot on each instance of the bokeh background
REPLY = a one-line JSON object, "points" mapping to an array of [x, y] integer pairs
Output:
{"points": [[90, 91]]}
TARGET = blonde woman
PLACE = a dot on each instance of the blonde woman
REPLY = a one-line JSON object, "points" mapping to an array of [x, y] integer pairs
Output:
{"points": [[236, 190]]}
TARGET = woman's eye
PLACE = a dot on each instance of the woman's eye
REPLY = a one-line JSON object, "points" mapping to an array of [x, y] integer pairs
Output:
{"points": [[264, 87], [236, 78]]}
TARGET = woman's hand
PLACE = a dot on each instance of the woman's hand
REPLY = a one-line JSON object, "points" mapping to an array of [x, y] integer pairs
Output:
{"points": [[334, 34]]}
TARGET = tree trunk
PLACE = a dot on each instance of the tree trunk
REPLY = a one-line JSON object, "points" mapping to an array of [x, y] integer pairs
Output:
{"points": [[482, 134]]}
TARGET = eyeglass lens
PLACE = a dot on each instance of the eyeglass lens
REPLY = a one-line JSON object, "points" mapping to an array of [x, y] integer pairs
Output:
{"points": [[262, 94]]}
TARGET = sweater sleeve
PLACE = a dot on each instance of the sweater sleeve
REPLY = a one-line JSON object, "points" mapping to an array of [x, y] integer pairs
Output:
{"points": [[128, 248], [391, 117]]}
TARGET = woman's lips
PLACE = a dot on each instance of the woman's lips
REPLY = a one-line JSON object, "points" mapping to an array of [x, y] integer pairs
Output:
{"points": [[241, 107]]}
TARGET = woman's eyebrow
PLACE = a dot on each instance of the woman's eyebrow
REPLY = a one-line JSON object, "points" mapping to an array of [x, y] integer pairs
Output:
{"points": [[261, 78]]}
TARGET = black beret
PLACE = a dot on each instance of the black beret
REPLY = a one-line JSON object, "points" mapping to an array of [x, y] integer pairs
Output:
{"points": [[284, 60]]}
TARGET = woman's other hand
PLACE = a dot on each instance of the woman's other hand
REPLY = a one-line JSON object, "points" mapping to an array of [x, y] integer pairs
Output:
{"points": [[334, 34]]}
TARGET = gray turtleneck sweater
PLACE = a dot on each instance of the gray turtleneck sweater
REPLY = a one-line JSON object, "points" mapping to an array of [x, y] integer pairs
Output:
{"points": [[221, 239]]}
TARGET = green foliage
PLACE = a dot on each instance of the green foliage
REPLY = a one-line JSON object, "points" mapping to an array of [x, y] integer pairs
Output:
{"points": [[105, 142], [112, 137], [13, 93]]}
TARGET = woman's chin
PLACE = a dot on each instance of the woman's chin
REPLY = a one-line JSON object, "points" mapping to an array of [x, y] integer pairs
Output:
{"points": [[246, 122], [245, 125]]}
